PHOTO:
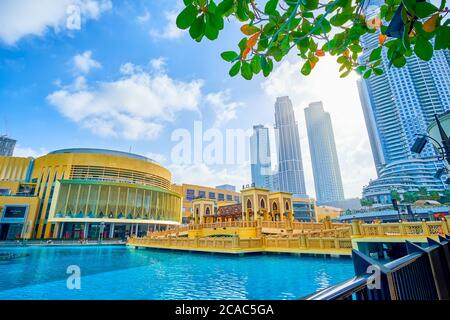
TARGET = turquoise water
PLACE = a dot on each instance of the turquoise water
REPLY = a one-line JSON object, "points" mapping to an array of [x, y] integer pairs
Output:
{"points": [[118, 272]]}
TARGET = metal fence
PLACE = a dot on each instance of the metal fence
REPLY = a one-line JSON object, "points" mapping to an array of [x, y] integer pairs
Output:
{"points": [[423, 274]]}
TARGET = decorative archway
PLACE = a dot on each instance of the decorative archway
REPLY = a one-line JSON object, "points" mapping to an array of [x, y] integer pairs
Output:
{"points": [[207, 211], [286, 206], [274, 206], [263, 203], [249, 204]]}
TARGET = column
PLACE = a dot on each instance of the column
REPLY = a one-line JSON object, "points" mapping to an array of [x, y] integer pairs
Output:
{"points": [[111, 231], [86, 228], [61, 231]]}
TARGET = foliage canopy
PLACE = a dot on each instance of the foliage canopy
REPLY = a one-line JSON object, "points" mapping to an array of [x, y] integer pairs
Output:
{"points": [[314, 29]]}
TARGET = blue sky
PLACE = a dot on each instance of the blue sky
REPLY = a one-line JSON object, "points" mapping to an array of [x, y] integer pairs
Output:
{"points": [[128, 79]]}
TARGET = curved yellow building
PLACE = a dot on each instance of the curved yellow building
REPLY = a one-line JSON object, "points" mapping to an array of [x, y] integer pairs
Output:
{"points": [[85, 193]]}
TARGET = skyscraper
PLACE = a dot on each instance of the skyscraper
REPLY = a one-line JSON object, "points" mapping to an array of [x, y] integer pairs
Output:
{"points": [[261, 165], [7, 146], [397, 106], [290, 174], [325, 163]]}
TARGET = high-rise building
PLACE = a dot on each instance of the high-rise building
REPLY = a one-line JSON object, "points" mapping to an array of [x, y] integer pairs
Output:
{"points": [[7, 146], [261, 165], [325, 163], [227, 187], [291, 175], [397, 106]]}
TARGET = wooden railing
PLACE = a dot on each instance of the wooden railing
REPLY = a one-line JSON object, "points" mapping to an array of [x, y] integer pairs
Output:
{"points": [[403, 229], [198, 243], [293, 243]]}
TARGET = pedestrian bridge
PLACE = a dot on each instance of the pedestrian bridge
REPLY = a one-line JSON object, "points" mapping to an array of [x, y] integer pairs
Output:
{"points": [[296, 237]]}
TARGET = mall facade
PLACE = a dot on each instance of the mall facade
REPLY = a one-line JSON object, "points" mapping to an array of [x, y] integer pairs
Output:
{"points": [[85, 194]]}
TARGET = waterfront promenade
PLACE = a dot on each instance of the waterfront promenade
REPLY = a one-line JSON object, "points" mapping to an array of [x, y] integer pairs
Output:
{"points": [[289, 237]]}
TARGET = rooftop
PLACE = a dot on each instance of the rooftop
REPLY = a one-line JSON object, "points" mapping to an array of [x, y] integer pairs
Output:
{"points": [[105, 152]]}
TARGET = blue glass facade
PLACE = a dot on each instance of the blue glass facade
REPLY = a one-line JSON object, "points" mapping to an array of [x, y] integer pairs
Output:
{"points": [[397, 106]]}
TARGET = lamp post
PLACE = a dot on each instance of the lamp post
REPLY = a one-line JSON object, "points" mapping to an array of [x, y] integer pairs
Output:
{"points": [[443, 146]]}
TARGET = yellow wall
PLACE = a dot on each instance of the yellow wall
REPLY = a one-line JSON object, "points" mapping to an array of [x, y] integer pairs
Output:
{"points": [[187, 205], [53, 167], [108, 168], [13, 168], [33, 205], [325, 211]]}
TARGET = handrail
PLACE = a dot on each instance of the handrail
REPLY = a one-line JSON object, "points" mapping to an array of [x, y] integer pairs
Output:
{"points": [[340, 291]]}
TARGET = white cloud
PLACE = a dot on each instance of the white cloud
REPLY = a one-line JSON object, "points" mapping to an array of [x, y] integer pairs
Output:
{"points": [[84, 63], [224, 109], [170, 30], [144, 18], [158, 64], [26, 152], [158, 157], [202, 174], [30, 17], [135, 106], [340, 98]]}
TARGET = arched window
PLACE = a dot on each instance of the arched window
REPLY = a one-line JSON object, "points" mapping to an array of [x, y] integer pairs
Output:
{"points": [[274, 206], [208, 211], [263, 204], [196, 211], [286, 206], [249, 204]]}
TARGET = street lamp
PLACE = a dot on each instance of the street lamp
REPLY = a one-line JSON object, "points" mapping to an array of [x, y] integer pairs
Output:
{"points": [[443, 146]]}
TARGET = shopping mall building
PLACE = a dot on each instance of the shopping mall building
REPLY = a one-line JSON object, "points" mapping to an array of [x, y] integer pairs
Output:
{"points": [[85, 194]]}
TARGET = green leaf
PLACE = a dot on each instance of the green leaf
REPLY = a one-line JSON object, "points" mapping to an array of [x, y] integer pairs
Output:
{"points": [[224, 7], [229, 56], [424, 9], [375, 54], [186, 17], [367, 74], [211, 31], [310, 4], [306, 69], [378, 71], [442, 40], [276, 53], [197, 28], [339, 19], [423, 49], [266, 65], [241, 13], [355, 48], [246, 71], [255, 63], [235, 69], [271, 7], [242, 44], [399, 62], [346, 73], [361, 69]]}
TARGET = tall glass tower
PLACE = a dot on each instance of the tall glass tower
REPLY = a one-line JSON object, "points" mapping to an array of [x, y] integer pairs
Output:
{"points": [[261, 165], [325, 163], [397, 106], [6, 146], [290, 175]]}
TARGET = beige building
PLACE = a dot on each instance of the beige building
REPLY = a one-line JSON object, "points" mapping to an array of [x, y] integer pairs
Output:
{"points": [[326, 211], [189, 192]]}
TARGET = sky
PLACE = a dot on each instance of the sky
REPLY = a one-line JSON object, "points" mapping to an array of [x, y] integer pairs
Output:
{"points": [[123, 77]]}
